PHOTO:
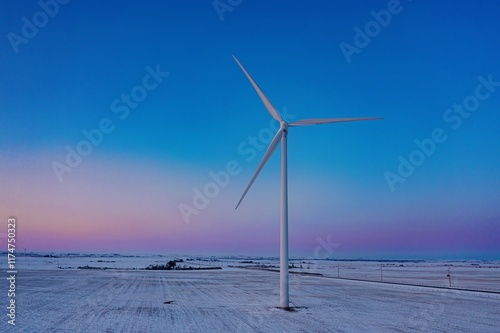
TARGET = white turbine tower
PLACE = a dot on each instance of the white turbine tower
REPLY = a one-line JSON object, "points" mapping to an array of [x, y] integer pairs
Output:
{"points": [[281, 136]]}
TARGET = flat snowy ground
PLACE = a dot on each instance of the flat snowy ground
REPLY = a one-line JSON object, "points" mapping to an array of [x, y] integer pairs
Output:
{"points": [[235, 300]]}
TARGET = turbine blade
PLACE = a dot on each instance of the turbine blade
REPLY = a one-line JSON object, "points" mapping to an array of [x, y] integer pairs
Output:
{"points": [[267, 103], [270, 150], [319, 121]]}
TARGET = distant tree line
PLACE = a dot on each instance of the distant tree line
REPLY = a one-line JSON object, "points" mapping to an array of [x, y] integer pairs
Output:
{"points": [[172, 265]]}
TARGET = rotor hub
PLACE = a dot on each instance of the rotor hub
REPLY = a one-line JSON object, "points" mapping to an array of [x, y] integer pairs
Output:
{"points": [[284, 126]]}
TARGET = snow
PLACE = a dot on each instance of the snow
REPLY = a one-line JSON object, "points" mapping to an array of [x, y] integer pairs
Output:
{"points": [[243, 299]]}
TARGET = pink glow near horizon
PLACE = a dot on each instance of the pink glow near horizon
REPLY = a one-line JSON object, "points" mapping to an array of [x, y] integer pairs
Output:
{"points": [[116, 212]]}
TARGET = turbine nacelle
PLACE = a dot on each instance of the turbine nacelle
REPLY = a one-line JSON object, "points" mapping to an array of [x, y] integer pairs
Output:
{"points": [[284, 126]]}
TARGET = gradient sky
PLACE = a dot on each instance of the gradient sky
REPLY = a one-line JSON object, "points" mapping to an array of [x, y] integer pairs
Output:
{"points": [[70, 75]]}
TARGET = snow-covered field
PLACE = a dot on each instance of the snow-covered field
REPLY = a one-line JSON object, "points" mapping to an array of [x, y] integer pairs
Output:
{"points": [[233, 299]]}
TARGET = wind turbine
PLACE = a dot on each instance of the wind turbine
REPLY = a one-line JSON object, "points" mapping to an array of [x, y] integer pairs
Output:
{"points": [[281, 136]]}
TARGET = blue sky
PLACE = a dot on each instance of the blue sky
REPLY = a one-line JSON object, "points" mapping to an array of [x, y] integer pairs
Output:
{"points": [[430, 56]]}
